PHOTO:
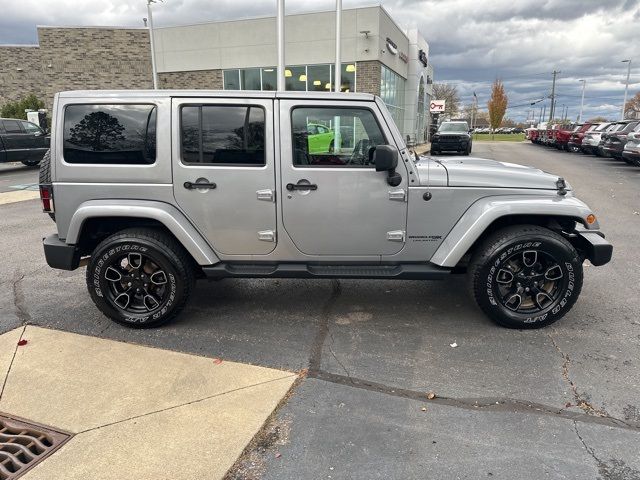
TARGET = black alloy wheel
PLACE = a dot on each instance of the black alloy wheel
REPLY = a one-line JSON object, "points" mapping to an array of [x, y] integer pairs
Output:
{"points": [[525, 276], [140, 277]]}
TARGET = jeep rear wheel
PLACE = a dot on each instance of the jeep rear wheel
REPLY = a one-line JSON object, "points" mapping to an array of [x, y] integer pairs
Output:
{"points": [[525, 276], [140, 277]]}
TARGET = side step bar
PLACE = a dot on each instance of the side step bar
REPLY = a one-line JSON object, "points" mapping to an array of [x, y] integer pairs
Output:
{"points": [[413, 271]]}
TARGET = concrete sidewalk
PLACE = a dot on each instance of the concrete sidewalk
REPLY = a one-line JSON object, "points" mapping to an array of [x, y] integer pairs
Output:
{"points": [[134, 412]]}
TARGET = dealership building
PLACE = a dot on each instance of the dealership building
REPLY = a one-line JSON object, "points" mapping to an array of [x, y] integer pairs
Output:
{"points": [[377, 57]]}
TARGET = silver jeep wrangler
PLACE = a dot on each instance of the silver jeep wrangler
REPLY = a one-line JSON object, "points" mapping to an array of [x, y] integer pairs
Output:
{"points": [[155, 189]]}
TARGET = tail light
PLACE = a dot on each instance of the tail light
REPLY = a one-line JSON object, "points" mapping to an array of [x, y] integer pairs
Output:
{"points": [[46, 197]]}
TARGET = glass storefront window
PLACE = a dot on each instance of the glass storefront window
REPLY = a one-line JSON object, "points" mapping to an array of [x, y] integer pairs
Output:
{"points": [[348, 77], [269, 78], [250, 79], [300, 78], [295, 78], [317, 77], [392, 94], [232, 79]]}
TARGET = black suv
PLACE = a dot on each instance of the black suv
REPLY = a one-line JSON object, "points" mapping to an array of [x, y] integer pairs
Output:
{"points": [[22, 141], [451, 137]]}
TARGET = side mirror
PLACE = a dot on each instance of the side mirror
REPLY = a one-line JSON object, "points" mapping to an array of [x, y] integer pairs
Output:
{"points": [[385, 158]]}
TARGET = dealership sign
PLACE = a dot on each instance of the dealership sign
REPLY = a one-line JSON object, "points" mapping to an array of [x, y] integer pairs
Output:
{"points": [[436, 106]]}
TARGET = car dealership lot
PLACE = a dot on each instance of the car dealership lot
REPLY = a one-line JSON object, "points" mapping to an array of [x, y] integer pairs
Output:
{"points": [[560, 402]]}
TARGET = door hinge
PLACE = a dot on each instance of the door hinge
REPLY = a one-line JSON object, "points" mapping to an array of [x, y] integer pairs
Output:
{"points": [[396, 236], [399, 195], [265, 195], [267, 236]]}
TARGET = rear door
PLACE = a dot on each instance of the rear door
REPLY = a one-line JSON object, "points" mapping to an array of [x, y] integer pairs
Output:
{"points": [[14, 140], [224, 175]]}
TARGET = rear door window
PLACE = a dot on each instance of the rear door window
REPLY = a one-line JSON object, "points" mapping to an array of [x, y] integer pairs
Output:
{"points": [[12, 126], [223, 135], [114, 134]]}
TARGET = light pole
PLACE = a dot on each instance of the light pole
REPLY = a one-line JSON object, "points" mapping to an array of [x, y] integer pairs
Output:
{"points": [[280, 34], [584, 84], [338, 68], [153, 50], [626, 87]]}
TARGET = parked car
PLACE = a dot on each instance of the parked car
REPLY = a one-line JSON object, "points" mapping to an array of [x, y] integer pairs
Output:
{"points": [[575, 140], [22, 141], [614, 142], [631, 151], [562, 134], [230, 189], [591, 139], [452, 137]]}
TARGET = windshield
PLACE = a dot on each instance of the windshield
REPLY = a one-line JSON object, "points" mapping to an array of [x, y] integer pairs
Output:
{"points": [[602, 127], [454, 127]]}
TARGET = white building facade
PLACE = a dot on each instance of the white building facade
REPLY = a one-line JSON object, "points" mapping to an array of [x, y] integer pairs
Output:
{"points": [[377, 57]]}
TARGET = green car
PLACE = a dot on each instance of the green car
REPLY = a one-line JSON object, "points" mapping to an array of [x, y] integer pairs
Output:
{"points": [[320, 138]]}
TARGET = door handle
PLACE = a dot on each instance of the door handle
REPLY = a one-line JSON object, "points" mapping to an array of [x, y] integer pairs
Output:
{"points": [[301, 186], [193, 186]]}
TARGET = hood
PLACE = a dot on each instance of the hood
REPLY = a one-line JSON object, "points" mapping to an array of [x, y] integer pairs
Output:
{"points": [[480, 172]]}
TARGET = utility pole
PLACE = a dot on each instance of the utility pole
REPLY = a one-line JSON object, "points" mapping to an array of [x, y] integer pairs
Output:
{"points": [[626, 87], [280, 85], [553, 95], [154, 72], [584, 84], [544, 111]]}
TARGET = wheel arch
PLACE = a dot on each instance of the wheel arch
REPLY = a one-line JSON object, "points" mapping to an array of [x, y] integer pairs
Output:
{"points": [[489, 214], [96, 219]]}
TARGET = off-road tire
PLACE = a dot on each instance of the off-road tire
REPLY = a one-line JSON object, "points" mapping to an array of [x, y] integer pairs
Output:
{"points": [[164, 251], [45, 175], [491, 258]]}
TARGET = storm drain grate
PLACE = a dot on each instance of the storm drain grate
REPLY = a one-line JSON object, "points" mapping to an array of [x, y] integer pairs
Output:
{"points": [[23, 445]]}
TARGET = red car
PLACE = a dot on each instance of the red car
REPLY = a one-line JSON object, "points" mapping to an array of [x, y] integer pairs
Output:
{"points": [[562, 134], [575, 141]]}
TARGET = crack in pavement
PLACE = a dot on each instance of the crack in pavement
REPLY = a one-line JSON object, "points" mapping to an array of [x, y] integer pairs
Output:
{"points": [[18, 299], [581, 402], [496, 404], [15, 351], [600, 463], [315, 356]]}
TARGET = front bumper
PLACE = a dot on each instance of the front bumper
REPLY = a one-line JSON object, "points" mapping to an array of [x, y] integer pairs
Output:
{"points": [[59, 254], [631, 155], [595, 247]]}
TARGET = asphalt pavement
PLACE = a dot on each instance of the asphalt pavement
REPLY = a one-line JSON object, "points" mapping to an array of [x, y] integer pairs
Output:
{"points": [[16, 176], [561, 402]]}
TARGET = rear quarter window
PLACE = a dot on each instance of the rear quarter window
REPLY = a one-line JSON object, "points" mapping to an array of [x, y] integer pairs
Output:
{"points": [[113, 134]]}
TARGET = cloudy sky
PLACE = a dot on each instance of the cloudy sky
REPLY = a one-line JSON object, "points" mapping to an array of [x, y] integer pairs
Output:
{"points": [[472, 41]]}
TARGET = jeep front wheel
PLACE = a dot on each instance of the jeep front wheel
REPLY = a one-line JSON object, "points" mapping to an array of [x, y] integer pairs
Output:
{"points": [[525, 276], [140, 277]]}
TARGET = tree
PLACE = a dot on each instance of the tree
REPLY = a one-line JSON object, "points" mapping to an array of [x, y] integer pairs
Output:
{"points": [[597, 120], [632, 107], [99, 130], [17, 109], [497, 104], [448, 93]]}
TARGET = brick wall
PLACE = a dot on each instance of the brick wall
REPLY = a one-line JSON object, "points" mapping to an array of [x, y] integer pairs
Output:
{"points": [[76, 58], [195, 80], [368, 76]]}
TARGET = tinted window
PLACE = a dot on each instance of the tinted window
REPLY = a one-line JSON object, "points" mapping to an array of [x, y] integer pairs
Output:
{"points": [[11, 126], [223, 135], [31, 127], [317, 143], [111, 134]]}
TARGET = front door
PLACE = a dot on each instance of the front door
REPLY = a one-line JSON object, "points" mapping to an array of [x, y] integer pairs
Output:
{"points": [[333, 200], [224, 180]]}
